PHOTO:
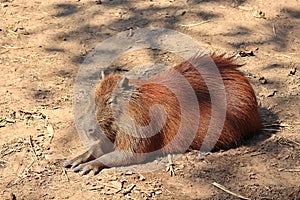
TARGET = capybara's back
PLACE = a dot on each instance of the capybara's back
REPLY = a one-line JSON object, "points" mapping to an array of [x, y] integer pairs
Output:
{"points": [[169, 124]]}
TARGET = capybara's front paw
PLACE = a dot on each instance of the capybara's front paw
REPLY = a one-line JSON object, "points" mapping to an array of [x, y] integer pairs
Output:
{"points": [[92, 166], [83, 158]]}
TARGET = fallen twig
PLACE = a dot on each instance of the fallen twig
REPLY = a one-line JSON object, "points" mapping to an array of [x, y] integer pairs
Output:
{"points": [[11, 47], [32, 147], [129, 189], [269, 129], [257, 154], [96, 188], [196, 24], [292, 141], [170, 166], [292, 170], [26, 170], [66, 175], [29, 166], [50, 132], [3, 52], [287, 141], [274, 30], [228, 191], [276, 125]]}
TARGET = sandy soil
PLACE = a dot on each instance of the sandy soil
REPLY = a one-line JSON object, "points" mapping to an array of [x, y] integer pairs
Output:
{"points": [[43, 43]]}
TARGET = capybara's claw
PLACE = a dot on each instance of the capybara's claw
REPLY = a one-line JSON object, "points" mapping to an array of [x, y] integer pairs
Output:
{"points": [[79, 168], [83, 158], [76, 163], [72, 163], [67, 163]]}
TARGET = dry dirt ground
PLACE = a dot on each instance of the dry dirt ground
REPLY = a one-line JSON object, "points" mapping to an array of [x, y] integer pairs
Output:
{"points": [[43, 43]]}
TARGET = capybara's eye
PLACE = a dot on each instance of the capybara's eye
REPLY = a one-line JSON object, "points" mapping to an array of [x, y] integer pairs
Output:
{"points": [[110, 101]]}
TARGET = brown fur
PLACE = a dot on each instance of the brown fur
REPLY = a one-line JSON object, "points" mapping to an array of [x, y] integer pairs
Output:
{"points": [[126, 113], [242, 118]]}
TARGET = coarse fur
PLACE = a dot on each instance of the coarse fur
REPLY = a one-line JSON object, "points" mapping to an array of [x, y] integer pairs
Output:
{"points": [[144, 116]]}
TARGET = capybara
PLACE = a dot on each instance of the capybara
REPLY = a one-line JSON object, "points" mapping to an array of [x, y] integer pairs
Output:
{"points": [[170, 113]]}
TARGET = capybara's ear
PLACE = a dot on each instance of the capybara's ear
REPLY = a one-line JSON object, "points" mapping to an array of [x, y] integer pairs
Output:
{"points": [[102, 75], [124, 82]]}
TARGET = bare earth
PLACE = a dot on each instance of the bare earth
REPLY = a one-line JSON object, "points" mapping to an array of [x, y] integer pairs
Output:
{"points": [[43, 43]]}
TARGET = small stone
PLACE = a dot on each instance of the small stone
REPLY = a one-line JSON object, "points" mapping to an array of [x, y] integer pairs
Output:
{"points": [[293, 71], [158, 192], [62, 38], [259, 14], [180, 13], [4, 5], [116, 184], [141, 177], [251, 48], [268, 92], [128, 173], [202, 155], [123, 180], [246, 53], [262, 80], [13, 196]]}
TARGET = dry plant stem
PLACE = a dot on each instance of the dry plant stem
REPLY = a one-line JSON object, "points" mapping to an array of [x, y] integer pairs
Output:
{"points": [[21, 176], [269, 129], [11, 47], [276, 124], [3, 52], [292, 170], [50, 132], [96, 188], [228, 191], [196, 24], [66, 175], [31, 145], [170, 165], [128, 190], [292, 141], [274, 30], [28, 167]]}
